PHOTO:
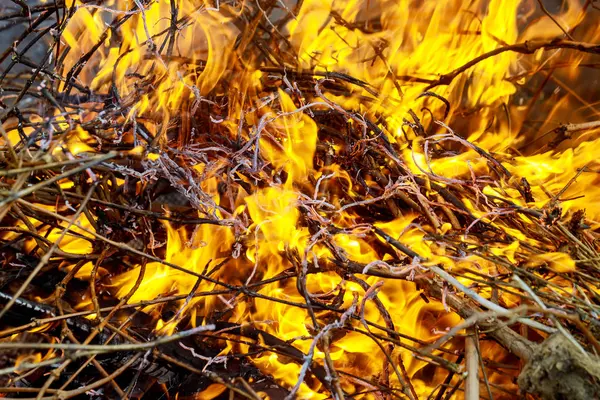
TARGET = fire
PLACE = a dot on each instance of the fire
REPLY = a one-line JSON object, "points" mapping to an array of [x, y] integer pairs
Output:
{"points": [[24, 359], [399, 49]]}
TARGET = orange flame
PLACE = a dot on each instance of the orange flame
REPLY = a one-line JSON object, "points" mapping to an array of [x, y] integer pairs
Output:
{"points": [[399, 47]]}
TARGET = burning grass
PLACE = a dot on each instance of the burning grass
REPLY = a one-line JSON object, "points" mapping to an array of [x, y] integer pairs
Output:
{"points": [[315, 199]]}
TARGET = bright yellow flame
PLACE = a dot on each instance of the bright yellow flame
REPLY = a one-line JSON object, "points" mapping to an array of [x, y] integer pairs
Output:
{"points": [[164, 83]]}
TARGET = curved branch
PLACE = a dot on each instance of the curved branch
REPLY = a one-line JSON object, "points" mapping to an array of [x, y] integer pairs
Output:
{"points": [[527, 47]]}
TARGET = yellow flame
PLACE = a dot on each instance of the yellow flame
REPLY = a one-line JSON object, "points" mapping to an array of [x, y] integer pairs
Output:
{"points": [[559, 262], [398, 47]]}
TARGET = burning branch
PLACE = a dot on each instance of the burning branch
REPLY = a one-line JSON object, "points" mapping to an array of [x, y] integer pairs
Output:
{"points": [[229, 200]]}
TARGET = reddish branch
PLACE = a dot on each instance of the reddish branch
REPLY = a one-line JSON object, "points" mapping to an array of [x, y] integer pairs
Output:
{"points": [[528, 47]]}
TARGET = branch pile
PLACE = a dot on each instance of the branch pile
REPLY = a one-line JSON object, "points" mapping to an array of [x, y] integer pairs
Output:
{"points": [[145, 253]]}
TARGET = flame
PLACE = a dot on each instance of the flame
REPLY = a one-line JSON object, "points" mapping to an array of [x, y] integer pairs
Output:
{"points": [[203, 249], [24, 359], [211, 392], [27, 359], [164, 82]]}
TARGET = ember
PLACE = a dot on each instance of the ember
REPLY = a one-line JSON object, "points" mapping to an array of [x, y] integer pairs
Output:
{"points": [[204, 199]]}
